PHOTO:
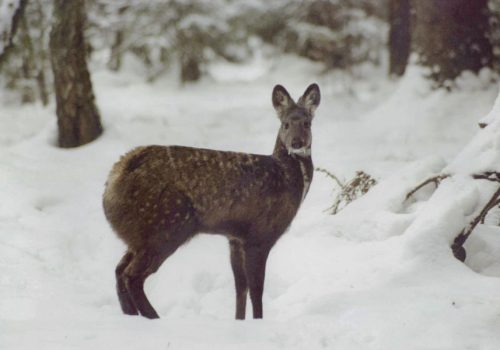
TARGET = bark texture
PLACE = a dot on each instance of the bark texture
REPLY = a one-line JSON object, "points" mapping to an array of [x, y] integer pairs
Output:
{"points": [[77, 115]]}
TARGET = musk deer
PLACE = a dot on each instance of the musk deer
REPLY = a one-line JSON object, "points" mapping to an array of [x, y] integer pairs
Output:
{"points": [[158, 197]]}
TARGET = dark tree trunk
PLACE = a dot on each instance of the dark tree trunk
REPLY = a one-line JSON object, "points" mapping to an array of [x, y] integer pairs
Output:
{"points": [[77, 116], [451, 36], [190, 55], [115, 60], [8, 37], [190, 68], [28, 68], [399, 36]]}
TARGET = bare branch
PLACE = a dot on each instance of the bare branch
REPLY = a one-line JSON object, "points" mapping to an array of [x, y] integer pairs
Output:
{"points": [[457, 246], [459, 241], [488, 175], [330, 175], [435, 180]]}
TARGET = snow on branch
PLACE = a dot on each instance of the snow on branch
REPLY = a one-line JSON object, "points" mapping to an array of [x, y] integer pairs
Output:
{"points": [[479, 160], [457, 246], [436, 180]]}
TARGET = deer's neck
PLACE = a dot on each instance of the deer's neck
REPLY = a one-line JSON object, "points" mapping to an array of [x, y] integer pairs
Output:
{"points": [[298, 168]]}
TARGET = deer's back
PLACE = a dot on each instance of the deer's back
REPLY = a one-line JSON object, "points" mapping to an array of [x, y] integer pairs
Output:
{"points": [[154, 187]]}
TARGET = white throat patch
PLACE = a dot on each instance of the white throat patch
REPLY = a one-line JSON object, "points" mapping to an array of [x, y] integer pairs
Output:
{"points": [[303, 152]]}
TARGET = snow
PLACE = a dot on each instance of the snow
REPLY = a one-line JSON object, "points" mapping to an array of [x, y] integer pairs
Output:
{"points": [[379, 275]]}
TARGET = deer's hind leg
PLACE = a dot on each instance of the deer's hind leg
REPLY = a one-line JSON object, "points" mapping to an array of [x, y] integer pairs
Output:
{"points": [[144, 263], [158, 238], [126, 302], [147, 261]]}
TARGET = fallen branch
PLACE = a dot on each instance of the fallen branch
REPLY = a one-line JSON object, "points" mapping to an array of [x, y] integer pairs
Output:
{"points": [[457, 246], [436, 180], [488, 175]]}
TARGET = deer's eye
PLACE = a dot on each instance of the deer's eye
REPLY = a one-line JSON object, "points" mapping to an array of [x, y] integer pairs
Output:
{"points": [[287, 125]]}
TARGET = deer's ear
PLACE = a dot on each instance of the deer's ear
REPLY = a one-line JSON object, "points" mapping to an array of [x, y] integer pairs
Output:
{"points": [[311, 98], [281, 99]]}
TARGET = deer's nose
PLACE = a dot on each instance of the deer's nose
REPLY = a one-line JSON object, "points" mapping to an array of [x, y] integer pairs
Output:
{"points": [[297, 143]]}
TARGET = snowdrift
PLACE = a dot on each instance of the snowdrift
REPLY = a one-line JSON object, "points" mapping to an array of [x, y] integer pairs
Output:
{"points": [[379, 275]]}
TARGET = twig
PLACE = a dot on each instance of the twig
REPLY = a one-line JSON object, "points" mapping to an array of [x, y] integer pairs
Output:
{"points": [[488, 175], [349, 191], [436, 180], [330, 175]]}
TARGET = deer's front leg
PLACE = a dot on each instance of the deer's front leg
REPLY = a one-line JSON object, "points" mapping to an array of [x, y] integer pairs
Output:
{"points": [[240, 278], [255, 264]]}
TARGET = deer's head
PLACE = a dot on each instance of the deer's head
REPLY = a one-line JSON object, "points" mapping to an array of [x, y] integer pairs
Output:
{"points": [[296, 118]]}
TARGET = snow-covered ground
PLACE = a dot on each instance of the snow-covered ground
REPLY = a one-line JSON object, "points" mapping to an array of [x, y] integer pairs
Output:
{"points": [[379, 275]]}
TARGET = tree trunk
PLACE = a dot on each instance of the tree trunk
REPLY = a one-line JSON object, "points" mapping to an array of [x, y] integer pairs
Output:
{"points": [[190, 54], [115, 59], [190, 68], [7, 36], [451, 36], [28, 67], [77, 116], [399, 36]]}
